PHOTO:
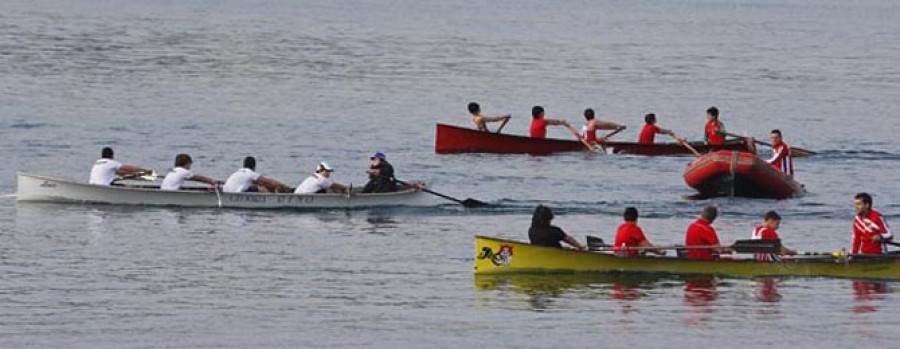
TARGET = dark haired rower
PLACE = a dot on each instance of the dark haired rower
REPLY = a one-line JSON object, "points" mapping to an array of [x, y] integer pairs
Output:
{"points": [[648, 133], [105, 169], [182, 172], [592, 124], [630, 235], [481, 121], [541, 233], [539, 123]]}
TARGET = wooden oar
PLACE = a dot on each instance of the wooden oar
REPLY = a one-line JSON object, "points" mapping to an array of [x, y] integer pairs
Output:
{"points": [[502, 123], [613, 133], [795, 152], [468, 202], [688, 146], [739, 246], [583, 141]]}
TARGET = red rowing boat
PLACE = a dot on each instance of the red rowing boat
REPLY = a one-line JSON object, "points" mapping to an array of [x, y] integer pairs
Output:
{"points": [[732, 173], [455, 140]]}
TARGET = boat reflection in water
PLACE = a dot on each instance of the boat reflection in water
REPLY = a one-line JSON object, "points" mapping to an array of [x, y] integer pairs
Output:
{"points": [[543, 290], [869, 292]]}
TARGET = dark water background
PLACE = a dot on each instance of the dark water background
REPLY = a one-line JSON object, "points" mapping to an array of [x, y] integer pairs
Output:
{"points": [[295, 82]]}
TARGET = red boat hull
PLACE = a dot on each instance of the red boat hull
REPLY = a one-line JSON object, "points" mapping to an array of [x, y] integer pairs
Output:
{"points": [[455, 140], [730, 173]]}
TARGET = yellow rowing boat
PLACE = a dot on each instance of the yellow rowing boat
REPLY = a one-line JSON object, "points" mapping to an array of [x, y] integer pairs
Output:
{"points": [[499, 256]]}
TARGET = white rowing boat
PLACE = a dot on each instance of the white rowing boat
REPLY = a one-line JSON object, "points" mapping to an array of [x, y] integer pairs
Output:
{"points": [[47, 189]]}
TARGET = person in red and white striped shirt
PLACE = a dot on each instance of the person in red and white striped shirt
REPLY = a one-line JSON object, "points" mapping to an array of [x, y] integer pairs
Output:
{"points": [[781, 154], [767, 231], [870, 230]]}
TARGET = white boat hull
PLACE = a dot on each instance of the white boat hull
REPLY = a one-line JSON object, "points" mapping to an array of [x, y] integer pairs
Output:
{"points": [[36, 188]]}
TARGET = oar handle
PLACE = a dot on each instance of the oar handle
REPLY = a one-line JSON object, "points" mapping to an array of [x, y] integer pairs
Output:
{"points": [[466, 203], [686, 145], [581, 139], [503, 123], [613, 133]]}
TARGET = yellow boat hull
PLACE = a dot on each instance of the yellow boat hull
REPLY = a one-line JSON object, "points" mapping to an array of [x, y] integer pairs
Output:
{"points": [[499, 256]]}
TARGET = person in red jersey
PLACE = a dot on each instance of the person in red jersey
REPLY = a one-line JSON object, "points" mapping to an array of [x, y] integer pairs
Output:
{"points": [[870, 230], [702, 233], [630, 235], [767, 231], [539, 123], [648, 133], [715, 130], [592, 124], [781, 154]]}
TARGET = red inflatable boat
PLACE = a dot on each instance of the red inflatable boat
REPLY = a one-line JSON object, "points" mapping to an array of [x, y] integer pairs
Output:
{"points": [[732, 173]]}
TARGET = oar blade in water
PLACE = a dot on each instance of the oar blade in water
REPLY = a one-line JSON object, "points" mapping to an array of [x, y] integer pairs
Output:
{"points": [[474, 203]]}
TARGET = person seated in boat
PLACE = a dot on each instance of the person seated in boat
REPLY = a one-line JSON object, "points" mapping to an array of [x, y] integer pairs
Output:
{"points": [[539, 123], [541, 233], [320, 182], [481, 121], [714, 133], [381, 175], [105, 169], [630, 235], [870, 229], [781, 154], [592, 124], [702, 233], [767, 230], [246, 180], [648, 133], [174, 180]]}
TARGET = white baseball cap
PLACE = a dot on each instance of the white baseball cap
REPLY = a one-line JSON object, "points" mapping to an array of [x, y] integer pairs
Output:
{"points": [[324, 166]]}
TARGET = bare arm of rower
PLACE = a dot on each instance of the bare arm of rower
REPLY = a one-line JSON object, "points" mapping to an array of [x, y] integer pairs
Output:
{"points": [[203, 179], [657, 251], [609, 125], [495, 118], [787, 251], [338, 187], [574, 243], [129, 169], [556, 122], [273, 185]]}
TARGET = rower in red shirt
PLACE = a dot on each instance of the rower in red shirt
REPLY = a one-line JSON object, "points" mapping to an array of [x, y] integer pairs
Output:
{"points": [[715, 130], [702, 233], [591, 125], [767, 231], [630, 235], [781, 154], [648, 133], [870, 230], [539, 123]]}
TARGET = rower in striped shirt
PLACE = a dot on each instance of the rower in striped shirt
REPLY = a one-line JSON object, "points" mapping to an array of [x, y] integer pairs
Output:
{"points": [[767, 231], [781, 154], [870, 230]]}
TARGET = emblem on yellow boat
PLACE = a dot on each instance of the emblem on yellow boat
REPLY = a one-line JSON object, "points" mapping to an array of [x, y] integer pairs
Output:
{"points": [[501, 258]]}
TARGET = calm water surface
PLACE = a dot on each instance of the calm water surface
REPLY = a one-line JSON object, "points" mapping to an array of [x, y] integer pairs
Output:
{"points": [[294, 83]]}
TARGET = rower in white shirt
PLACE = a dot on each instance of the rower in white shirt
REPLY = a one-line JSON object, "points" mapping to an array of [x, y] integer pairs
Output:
{"points": [[105, 169], [182, 172], [246, 180], [320, 182]]}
